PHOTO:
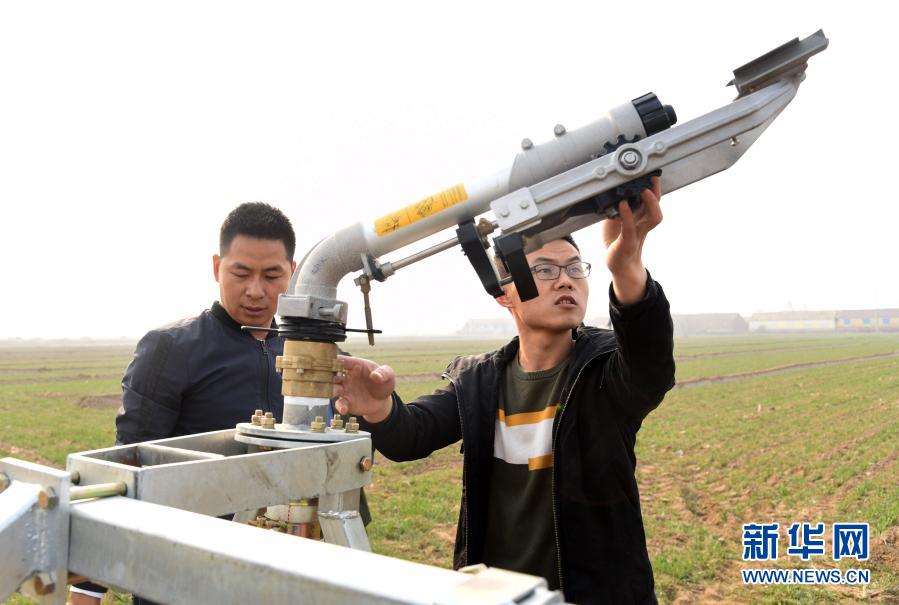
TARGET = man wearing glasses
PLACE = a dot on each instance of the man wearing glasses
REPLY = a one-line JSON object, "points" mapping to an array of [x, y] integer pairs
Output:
{"points": [[548, 422]]}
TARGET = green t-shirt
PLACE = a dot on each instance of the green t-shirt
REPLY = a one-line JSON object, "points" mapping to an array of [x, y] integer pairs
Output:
{"points": [[520, 533]]}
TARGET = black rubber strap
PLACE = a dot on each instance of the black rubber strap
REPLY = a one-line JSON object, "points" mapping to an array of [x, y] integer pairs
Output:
{"points": [[511, 249], [473, 247]]}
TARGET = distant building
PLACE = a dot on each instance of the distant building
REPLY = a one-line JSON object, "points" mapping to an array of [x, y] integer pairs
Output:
{"points": [[868, 320], [709, 324], [793, 321], [488, 328]]}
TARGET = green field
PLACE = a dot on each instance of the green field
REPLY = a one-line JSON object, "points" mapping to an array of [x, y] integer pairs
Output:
{"points": [[767, 428]]}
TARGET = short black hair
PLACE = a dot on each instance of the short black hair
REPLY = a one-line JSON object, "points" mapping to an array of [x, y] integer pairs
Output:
{"points": [[571, 241], [259, 220]]}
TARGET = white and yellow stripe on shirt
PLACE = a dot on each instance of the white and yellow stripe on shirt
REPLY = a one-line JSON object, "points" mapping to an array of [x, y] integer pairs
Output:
{"points": [[525, 438]]}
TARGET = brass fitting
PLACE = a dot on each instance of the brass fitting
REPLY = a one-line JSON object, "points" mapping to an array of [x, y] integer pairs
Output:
{"points": [[336, 422], [352, 426], [308, 368], [318, 425]]}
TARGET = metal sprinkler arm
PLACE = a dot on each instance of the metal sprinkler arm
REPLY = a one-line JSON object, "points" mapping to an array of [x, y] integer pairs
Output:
{"points": [[563, 185]]}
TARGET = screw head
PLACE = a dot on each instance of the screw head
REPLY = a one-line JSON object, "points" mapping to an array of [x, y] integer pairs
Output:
{"points": [[630, 158], [526, 144], [504, 212], [47, 499], [524, 204], [365, 464], [559, 130]]}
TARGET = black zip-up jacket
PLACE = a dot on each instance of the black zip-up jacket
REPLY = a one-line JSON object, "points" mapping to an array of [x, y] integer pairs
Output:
{"points": [[197, 375], [614, 380]]}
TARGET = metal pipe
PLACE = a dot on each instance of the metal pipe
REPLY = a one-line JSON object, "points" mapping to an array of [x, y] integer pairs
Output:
{"points": [[98, 490], [341, 253]]}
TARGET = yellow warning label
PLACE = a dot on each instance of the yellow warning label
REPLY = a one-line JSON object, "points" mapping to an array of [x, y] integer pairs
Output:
{"points": [[420, 210]]}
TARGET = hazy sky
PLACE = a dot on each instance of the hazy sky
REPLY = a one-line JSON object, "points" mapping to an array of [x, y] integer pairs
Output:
{"points": [[128, 131]]}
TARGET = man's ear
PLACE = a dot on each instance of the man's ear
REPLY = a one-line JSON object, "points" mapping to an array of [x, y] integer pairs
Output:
{"points": [[505, 300], [216, 265], [293, 267]]}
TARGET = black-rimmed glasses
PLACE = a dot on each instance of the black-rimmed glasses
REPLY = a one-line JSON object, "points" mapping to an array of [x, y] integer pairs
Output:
{"points": [[548, 272]]}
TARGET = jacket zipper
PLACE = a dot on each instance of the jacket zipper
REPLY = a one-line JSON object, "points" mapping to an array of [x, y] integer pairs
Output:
{"points": [[464, 465], [554, 498], [265, 375]]}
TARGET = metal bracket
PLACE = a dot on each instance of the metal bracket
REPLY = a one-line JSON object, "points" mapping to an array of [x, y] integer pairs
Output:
{"points": [[34, 531], [344, 529]]}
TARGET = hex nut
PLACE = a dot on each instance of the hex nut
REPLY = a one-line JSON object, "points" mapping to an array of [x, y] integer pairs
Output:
{"points": [[47, 499], [365, 464], [267, 422], [318, 425], [337, 422], [352, 426]]}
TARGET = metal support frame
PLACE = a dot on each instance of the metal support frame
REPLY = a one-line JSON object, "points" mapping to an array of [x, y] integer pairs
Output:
{"points": [[164, 542], [175, 556], [223, 478], [34, 531]]}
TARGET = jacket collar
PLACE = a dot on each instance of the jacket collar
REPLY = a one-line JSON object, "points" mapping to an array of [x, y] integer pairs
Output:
{"points": [[589, 343], [219, 312]]}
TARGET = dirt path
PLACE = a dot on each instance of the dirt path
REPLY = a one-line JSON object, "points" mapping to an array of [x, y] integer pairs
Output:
{"points": [[694, 382]]}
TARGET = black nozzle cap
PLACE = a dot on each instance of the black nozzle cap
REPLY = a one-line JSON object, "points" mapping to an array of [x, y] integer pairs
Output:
{"points": [[655, 116]]}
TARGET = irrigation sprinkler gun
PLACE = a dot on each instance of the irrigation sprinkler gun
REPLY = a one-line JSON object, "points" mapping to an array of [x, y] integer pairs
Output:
{"points": [[550, 190], [156, 502]]}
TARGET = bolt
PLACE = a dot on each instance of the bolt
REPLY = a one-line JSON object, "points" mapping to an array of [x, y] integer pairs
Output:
{"points": [[630, 158], [47, 499], [659, 147], [352, 426], [75, 477], [611, 212], [4, 481], [526, 144], [257, 413], [600, 172], [504, 212], [267, 422], [269, 415], [734, 141], [44, 583], [256, 418], [337, 422], [365, 464], [318, 425], [524, 204], [559, 130]]}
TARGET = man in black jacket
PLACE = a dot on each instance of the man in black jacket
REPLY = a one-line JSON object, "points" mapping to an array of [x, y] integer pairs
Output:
{"points": [[204, 373], [549, 422]]}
